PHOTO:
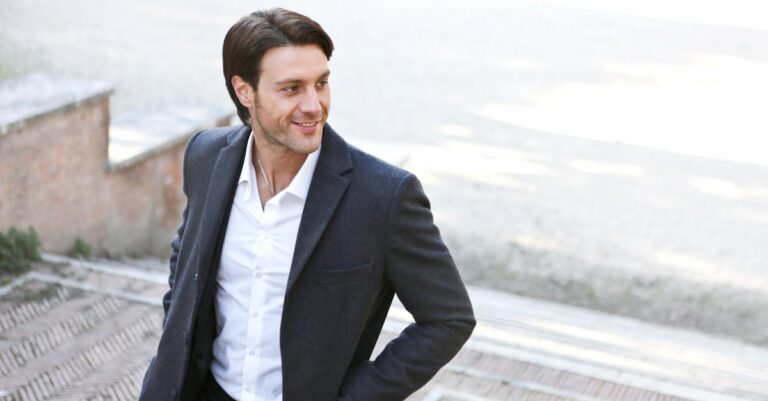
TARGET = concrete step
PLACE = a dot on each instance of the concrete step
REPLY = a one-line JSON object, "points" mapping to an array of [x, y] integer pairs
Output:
{"points": [[627, 352], [86, 330], [613, 349]]}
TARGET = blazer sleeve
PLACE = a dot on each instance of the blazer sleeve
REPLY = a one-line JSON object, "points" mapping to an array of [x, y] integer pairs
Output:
{"points": [[176, 242], [424, 277]]}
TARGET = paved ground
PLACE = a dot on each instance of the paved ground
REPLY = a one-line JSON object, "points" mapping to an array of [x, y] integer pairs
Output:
{"points": [[542, 131], [85, 331]]}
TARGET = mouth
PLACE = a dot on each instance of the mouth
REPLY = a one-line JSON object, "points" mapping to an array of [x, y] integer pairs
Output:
{"points": [[307, 127], [306, 124]]}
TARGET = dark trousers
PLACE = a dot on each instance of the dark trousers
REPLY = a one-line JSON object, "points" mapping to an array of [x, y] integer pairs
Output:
{"points": [[213, 392]]}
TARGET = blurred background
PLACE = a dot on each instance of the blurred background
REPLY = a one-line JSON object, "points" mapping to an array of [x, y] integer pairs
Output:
{"points": [[596, 152], [602, 154]]}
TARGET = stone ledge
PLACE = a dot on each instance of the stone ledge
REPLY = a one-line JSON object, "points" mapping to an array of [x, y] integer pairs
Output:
{"points": [[136, 137], [131, 141], [30, 97]]}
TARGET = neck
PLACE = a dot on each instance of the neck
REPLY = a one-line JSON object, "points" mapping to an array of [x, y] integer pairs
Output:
{"points": [[279, 164]]}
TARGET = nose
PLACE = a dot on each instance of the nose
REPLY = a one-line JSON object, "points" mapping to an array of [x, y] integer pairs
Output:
{"points": [[310, 102]]}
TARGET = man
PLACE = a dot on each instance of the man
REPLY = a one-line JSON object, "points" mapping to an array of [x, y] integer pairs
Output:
{"points": [[293, 244]]}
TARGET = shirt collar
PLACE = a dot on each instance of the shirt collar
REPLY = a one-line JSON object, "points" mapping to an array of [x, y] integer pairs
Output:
{"points": [[248, 173], [299, 186]]}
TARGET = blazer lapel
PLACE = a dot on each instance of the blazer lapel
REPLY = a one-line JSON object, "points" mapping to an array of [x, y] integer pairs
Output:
{"points": [[218, 198], [326, 190]]}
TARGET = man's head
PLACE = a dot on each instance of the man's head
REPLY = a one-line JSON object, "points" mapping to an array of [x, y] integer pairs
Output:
{"points": [[253, 35]]}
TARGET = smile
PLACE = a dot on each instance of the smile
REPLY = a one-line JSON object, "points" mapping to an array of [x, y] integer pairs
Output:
{"points": [[308, 125]]}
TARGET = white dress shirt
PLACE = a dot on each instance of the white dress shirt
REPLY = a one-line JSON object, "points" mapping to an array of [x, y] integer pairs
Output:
{"points": [[255, 261]]}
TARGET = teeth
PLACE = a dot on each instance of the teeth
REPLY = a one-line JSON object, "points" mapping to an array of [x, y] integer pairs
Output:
{"points": [[307, 124]]}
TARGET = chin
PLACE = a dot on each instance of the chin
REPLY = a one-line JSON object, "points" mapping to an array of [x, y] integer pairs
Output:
{"points": [[315, 145], [307, 146], [313, 141]]}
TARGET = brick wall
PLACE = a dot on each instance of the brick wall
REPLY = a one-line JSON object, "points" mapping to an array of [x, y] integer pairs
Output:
{"points": [[145, 204], [52, 171], [55, 176]]}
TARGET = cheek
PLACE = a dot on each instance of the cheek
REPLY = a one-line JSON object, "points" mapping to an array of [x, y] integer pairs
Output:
{"points": [[274, 110], [325, 100]]}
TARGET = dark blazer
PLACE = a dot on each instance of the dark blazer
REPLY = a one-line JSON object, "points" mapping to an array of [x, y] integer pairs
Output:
{"points": [[366, 233]]}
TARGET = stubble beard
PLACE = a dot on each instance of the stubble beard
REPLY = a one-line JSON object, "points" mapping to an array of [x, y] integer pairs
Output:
{"points": [[279, 139]]}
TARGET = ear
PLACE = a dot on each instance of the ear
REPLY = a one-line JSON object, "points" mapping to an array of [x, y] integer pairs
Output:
{"points": [[243, 90]]}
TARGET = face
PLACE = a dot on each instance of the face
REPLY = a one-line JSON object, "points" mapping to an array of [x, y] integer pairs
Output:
{"points": [[292, 99]]}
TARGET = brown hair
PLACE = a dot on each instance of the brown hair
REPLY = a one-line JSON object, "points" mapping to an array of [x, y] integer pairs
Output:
{"points": [[250, 38]]}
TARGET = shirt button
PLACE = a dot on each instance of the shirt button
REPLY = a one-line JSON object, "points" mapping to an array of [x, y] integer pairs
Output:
{"points": [[252, 353], [255, 314], [257, 274], [247, 389]]}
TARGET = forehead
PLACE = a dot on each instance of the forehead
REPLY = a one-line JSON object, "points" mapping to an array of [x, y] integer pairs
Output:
{"points": [[293, 62]]}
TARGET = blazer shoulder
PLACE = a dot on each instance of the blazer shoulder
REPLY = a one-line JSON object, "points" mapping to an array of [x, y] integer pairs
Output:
{"points": [[208, 142], [381, 175], [202, 151]]}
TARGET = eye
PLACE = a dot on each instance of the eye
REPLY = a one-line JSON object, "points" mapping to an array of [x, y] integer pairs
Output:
{"points": [[290, 89], [322, 84]]}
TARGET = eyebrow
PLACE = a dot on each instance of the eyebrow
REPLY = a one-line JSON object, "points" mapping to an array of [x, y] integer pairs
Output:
{"points": [[298, 81]]}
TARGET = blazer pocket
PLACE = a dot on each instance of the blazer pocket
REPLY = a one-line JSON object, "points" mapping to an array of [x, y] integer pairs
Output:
{"points": [[346, 275]]}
